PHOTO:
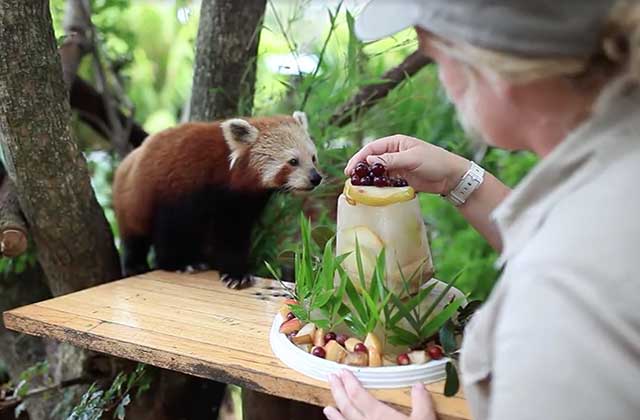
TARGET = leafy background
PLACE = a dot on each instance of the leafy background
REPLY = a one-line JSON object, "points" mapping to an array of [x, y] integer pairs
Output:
{"points": [[154, 42]]}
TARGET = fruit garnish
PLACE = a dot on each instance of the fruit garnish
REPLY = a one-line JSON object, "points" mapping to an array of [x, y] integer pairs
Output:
{"points": [[290, 315], [403, 359], [351, 343], [378, 169], [290, 326], [373, 196], [375, 357], [366, 181], [361, 169], [305, 335], [356, 359], [399, 182], [330, 336], [341, 339], [319, 338], [435, 352], [418, 357], [319, 352], [285, 308], [334, 351], [355, 180], [372, 340], [360, 347]]}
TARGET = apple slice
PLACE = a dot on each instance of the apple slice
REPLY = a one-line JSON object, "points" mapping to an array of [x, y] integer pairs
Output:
{"points": [[418, 357], [374, 196], [350, 344], [372, 340], [370, 246], [375, 357], [335, 352], [356, 358], [290, 326], [318, 337], [305, 335], [285, 308]]}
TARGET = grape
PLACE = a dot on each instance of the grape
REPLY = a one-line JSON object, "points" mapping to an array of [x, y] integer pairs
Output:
{"points": [[341, 338], [329, 336], [435, 352], [362, 169], [403, 359], [366, 180], [378, 169], [355, 180], [319, 352], [360, 347], [290, 316]]}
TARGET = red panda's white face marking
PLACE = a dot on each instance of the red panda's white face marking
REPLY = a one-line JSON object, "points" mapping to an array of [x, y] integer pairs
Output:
{"points": [[280, 150]]}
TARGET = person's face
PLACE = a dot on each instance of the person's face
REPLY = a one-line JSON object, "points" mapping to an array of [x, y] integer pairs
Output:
{"points": [[482, 112]]}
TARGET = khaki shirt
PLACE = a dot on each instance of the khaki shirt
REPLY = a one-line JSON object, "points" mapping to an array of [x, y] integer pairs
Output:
{"points": [[559, 337]]}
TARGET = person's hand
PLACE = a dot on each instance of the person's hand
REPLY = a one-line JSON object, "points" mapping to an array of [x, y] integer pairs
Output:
{"points": [[427, 168], [355, 403]]}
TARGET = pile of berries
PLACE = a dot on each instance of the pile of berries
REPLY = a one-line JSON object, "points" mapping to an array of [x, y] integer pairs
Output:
{"points": [[374, 175]]}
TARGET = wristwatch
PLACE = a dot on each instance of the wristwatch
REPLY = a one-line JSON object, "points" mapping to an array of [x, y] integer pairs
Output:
{"points": [[469, 182]]}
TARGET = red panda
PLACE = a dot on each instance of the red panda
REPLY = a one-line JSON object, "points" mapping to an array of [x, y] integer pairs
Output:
{"points": [[194, 192]]}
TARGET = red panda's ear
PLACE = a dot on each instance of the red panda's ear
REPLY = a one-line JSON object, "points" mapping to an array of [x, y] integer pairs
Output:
{"points": [[238, 133], [301, 118]]}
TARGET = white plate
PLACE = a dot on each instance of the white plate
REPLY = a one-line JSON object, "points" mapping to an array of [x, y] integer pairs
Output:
{"points": [[370, 377]]}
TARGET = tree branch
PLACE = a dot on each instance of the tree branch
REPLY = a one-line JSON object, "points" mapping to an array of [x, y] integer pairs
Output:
{"points": [[369, 95], [13, 228]]}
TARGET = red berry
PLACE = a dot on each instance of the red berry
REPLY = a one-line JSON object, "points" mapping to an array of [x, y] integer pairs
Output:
{"points": [[341, 338], [290, 316], [380, 181], [435, 352], [360, 347], [319, 352], [362, 169], [378, 169], [403, 359], [329, 336], [355, 180], [366, 180]]}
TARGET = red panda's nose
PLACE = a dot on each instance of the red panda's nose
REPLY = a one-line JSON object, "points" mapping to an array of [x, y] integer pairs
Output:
{"points": [[315, 178]]}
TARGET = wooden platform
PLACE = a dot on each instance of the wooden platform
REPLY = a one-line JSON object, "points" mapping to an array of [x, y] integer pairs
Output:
{"points": [[191, 323]]}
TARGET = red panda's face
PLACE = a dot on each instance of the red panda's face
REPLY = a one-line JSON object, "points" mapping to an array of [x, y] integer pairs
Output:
{"points": [[281, 151]]}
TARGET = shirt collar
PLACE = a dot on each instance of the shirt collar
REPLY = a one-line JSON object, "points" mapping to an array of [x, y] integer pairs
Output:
{"points": [[572, 163]]}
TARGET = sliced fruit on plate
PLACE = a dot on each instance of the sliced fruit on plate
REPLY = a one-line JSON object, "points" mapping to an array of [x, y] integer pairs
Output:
{"points": [[370, 246], [318, 337], [356, 359], [418, 357], [374, 196], [372, 340], [335, 352], [290, 326], [351, 343], [375, 357], [305, 335]]}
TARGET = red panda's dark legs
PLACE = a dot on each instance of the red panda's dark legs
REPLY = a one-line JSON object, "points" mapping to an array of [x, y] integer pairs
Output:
{"points": [[135, 250]]}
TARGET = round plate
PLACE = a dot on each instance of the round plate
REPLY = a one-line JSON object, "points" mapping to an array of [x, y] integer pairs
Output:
{"points": [[370, 377]]}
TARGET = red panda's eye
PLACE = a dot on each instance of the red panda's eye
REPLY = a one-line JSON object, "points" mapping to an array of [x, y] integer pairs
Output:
{"points": [[293, 162]]}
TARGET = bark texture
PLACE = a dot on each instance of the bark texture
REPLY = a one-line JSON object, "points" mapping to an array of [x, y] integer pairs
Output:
{"points": [[74, 242], [225, 68]]}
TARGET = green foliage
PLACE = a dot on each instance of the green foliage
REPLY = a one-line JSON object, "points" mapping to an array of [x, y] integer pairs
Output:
{"points": [[96, 403]]}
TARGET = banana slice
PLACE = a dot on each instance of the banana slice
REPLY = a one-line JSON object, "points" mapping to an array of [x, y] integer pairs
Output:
{"points": [[374, 196]]}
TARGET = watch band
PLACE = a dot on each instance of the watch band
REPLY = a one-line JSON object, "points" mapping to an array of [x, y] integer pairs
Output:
{"points": [[469, 182]]}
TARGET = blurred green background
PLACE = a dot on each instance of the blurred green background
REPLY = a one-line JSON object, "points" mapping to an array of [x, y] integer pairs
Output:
{"points": [[155, 42]]}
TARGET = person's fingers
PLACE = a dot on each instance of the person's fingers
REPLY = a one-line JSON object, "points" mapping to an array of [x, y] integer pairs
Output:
{"points": [[332, 414], [348, 410], [356, 392], [422, 404], [377, 147]]}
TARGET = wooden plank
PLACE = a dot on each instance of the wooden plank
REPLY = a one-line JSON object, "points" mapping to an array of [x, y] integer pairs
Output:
{"points": [[192, 324]]}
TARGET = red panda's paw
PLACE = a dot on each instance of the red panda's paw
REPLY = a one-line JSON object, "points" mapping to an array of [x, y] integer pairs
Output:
{"points": [[195, 268], [233, 282]]}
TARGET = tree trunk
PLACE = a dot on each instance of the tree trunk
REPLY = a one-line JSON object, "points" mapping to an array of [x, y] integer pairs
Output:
{"points": [[73, 239], [225, 68]]}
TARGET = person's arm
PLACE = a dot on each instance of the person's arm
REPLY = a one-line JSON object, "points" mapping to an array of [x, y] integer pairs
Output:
{"points": [[431, 169]]}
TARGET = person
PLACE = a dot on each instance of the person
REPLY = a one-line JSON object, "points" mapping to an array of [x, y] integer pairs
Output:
{"points": [[559, 336]]}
